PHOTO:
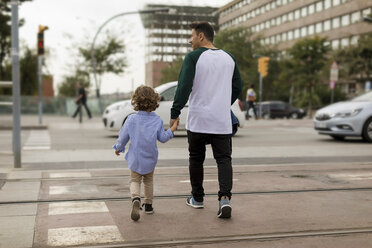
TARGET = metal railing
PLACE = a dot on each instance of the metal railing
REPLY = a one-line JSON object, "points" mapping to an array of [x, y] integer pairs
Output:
{"points": [[6, 84]]}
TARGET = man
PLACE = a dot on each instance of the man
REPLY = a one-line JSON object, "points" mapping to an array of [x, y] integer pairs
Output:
{"points": [[210, 80], [250, 99], [81, 100]]}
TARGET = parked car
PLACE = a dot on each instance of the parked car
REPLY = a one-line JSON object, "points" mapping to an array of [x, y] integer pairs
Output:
{"points": [[351, 118], [115, 114], [279, 109]]}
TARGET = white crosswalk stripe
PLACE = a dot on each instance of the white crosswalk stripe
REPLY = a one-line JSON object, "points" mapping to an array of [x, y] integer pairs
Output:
{"points": [[38, 140]]}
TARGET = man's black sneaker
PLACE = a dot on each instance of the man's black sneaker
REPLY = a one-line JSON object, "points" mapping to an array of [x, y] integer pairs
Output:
{"points": [[135, 214], [148, 208]]}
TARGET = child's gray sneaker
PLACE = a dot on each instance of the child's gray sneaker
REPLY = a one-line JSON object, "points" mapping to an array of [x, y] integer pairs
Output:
{"points": [[224, 209], [135, 214], [190, 201]]}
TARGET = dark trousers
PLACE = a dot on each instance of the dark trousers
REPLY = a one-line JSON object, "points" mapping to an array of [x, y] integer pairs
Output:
{"points": [[221, 146], [78, 109], [251, 105]]}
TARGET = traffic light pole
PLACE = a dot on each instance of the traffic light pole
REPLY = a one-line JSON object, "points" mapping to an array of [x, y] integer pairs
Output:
{"points": [[40, 105], [260, 96], [16, 87]]}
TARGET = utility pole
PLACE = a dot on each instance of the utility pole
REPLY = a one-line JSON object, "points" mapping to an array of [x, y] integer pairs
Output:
{"points": [[40, 52], [263, 67], [16, 87]]}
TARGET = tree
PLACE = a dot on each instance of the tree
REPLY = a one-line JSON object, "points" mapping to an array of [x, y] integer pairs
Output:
{"points": [[5, 35], [171, 72], [308, 59], [68, 87], [109, 57]]}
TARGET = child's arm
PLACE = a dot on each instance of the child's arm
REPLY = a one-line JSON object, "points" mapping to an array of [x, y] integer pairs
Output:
{"points": [[164, 136], [123, 138]]}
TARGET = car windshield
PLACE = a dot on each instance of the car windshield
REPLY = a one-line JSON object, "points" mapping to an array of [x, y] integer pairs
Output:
{"points": [[367, 97]]}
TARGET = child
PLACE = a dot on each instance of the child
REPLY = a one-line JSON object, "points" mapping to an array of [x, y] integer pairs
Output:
{"points": [[143, 129]]}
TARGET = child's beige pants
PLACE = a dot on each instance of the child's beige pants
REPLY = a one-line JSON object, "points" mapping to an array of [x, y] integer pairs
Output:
{"points": [[135, 185]]}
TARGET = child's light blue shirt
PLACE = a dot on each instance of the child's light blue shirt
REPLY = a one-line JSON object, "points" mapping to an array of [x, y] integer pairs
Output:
{"points": [[143, 129]]}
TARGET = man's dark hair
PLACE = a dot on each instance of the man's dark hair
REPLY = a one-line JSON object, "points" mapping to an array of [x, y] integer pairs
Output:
{"points": [[252, 86], [205, 28]]}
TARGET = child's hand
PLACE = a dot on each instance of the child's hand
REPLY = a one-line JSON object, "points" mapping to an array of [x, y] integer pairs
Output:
{"points": [[117, 153], [175, 125]]}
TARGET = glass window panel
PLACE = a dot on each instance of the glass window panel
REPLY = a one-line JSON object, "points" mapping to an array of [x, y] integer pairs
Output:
{"points": [[284, 2], [354, 40], [290, 35], [284, 18], [311, 29], [272, 39], [304, 11], [336, 22], [335, 44], [366, 12], [319, 6], [327, 4], [311, 9], [327, 25], [355, 17], [297, 33], [273, 22], [336, 2], [278, 20], [297, 14], [267, 7], [284, 36], [303, 31], [290, 16], [267, 24], [318, 27], [345, 20], [344, 42]]}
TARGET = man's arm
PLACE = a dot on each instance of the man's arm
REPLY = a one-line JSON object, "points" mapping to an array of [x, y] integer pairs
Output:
{"points": [[184, 87], [236, 84]]}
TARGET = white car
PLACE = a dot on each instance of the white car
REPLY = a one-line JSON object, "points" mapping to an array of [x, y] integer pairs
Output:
{"points": [[352, 118], [115, 114]]}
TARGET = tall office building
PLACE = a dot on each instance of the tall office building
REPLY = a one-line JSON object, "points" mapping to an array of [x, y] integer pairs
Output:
{"points": [[167, 35], [281, 23]]}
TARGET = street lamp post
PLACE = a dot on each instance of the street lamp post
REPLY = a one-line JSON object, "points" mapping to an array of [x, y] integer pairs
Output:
{"points": [[93, 62]]}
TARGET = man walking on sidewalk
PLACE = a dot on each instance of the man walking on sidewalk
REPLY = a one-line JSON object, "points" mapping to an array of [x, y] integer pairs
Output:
{"points": [[210, 80], [81, 100]]}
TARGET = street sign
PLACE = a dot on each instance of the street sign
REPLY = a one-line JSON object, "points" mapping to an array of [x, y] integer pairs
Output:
{"points": [[332, 85], [334, 72]]}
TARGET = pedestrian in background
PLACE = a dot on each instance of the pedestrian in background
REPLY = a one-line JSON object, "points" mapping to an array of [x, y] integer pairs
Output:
{"points": [[250, 99], [143, 129], [81, 100], [210, 81]]}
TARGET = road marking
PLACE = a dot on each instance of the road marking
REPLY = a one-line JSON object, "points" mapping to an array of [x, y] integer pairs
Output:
{"points": [[84, 236], [70, 174], [352, 176], [38, 140], [73, 190], [76, 208], [206, 180]]}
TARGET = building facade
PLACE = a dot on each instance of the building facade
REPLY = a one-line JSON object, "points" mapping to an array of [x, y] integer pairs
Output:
{"points": [[280, 23], [167, 35]]}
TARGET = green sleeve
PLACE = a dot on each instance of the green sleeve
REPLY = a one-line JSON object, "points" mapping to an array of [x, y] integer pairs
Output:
{"points": [[184, 87], [236, 84]]}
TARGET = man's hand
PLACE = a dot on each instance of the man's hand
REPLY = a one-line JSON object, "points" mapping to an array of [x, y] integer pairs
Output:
{"points": [[175, 124], [172, 121], [117, 153]]}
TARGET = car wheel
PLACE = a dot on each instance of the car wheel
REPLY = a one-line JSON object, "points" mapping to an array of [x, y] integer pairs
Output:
{"points": [[294, 115], [338, 137], [367, 130]]}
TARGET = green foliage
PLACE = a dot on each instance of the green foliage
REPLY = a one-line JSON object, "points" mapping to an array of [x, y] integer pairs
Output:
{"points": [[29, 72], [68, 87], [171, 72]]}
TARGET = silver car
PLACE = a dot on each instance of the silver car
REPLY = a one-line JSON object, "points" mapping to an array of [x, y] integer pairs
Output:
{"points": [[351, 118], [115, 114]]}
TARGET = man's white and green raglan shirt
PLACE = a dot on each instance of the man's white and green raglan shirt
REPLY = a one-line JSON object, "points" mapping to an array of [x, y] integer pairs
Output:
{"points": [[210, 80]]}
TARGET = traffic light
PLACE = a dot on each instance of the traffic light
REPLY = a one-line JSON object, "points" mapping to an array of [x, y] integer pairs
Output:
{"points": [[40, 39], [263, 65]]}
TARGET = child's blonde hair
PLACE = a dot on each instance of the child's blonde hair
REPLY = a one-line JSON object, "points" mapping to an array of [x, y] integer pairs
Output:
{"points": [[145, 99]]}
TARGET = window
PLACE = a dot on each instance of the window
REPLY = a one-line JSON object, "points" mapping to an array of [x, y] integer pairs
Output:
{"points": [[278, 20], [344, 42], [345, 20], [284, 36], [311, 30], [257, 11], [366, 12], [297, 33], [319, 6], [278, 2], [318, 27], [267, 7], [304, 12], [290, 16], [335, 44], [290, 35], [303, 31], [355, 17], [336, 2], [335, 22], [297, 14], [273, 5], [327, 25], [262, 26], [327, 4], [284, 18], [354, 40], [311, 9], [267, 24], [273, 22], [284, 2]]}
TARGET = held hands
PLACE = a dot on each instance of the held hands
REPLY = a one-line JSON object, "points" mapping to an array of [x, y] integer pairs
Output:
{"points": [[117, 153], [174, 124]]}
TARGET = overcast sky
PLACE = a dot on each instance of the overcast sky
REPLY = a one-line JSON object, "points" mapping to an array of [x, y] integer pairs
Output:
{"points": [[72, 22]]}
